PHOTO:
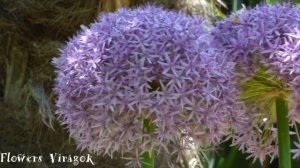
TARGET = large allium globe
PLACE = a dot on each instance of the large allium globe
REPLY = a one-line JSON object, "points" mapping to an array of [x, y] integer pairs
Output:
{"points": [[143, 64], [268, 35]]}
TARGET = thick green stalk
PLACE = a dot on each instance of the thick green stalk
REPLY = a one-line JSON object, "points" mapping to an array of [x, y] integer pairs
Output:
{"points": [[231, 159], [148, 157], [283, 133], [148, 160], [236, 5]]}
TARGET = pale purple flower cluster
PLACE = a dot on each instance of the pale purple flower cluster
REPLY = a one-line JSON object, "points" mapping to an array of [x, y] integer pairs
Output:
{"points": [[144, 63], [268, 35]]}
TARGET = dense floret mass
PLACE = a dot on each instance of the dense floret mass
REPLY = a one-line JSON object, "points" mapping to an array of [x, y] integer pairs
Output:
{"points": [[267, 35], [143, 64]]}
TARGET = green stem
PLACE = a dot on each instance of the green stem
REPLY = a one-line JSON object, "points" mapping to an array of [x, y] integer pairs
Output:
{"points": [[297, 131], [148, 157], [148, 160], [283, 133], [231, 158], [236, 5], [275, 1]]}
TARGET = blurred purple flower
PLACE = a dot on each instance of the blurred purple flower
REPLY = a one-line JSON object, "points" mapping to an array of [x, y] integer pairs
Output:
{"points": [[296, 152], [267, 35], [143, 63]]}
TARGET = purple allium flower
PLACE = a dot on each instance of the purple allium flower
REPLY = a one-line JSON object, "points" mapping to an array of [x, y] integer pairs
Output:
{"points": [[144, 63], [267, 35]]}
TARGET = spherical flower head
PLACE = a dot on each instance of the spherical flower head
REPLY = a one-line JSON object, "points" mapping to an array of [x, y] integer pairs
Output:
{"points": [[269, 36], [144, 65]]}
